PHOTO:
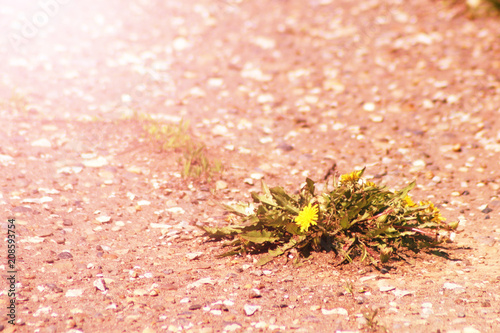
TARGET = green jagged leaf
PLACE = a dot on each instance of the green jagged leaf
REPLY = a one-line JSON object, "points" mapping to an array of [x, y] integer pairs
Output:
{"points": [[364, 252], [366, 215], [239, 209], [280, 250], [268, 200], [277, 221], [344, 222], [310, 185], [293, 228], [269, 257], [231, 253], [404, 192], [283, 199], [265, 189], [355, 210], [221, 232], [259, 236]]}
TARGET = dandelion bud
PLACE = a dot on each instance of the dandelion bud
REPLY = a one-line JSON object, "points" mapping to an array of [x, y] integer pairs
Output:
{"points": [[385, 254]]}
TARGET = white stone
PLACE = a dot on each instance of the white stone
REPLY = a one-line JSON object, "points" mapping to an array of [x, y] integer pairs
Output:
{"points": [[401, 293], [257, 175], [220, 185], [451, 286], [96, 162], [265, 98], [232, 327], [48, 190], [335, 311], [250, 309], [42, 310], [197, 92], [419, 163], [69, 170], [377, 118], [384, 288], [180, 44], [194, 255], [103, 219], [175, 210], [160, 226], [215, 82], [220, 130], [251, 72], [266, 139], [100, 284], [369, 107], [74, 292], [6, 159], [41, 143], [264, 42], [228, 302], [201, 282], [37, 200]]}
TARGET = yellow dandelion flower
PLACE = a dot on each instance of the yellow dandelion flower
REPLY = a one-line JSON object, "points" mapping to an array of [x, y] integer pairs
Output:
{"points": [[439, 218], [370, 184], [351, 177], [307, 216], [432, 210], [408, 201]]}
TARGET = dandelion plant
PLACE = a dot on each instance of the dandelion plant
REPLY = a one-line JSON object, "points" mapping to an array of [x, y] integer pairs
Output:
{"points": [[354, 219]]}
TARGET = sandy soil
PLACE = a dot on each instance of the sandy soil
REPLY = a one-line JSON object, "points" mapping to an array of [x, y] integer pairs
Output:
{"points": [[106, 237]]}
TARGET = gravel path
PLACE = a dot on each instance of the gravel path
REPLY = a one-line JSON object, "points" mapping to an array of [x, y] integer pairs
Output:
{"points": [[105, 227]]}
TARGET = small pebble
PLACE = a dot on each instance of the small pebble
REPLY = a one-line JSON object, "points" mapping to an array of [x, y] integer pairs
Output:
{"points": [[369, 107], [74, 292], [386, 288], [337, 311], [103, 219], [140, 292], [41, 143], [194, 255], [100, 284], [250, 309], [220, 185], [452, 286], [195, 307], [255, 293], [486, 304], [360, 299], [220, 130], [65, 255], [232, 327], [95, 163]]}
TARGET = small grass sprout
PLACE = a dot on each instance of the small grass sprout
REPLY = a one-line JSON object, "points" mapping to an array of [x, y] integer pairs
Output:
{"points": [[354, 219], [194, 161]]}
